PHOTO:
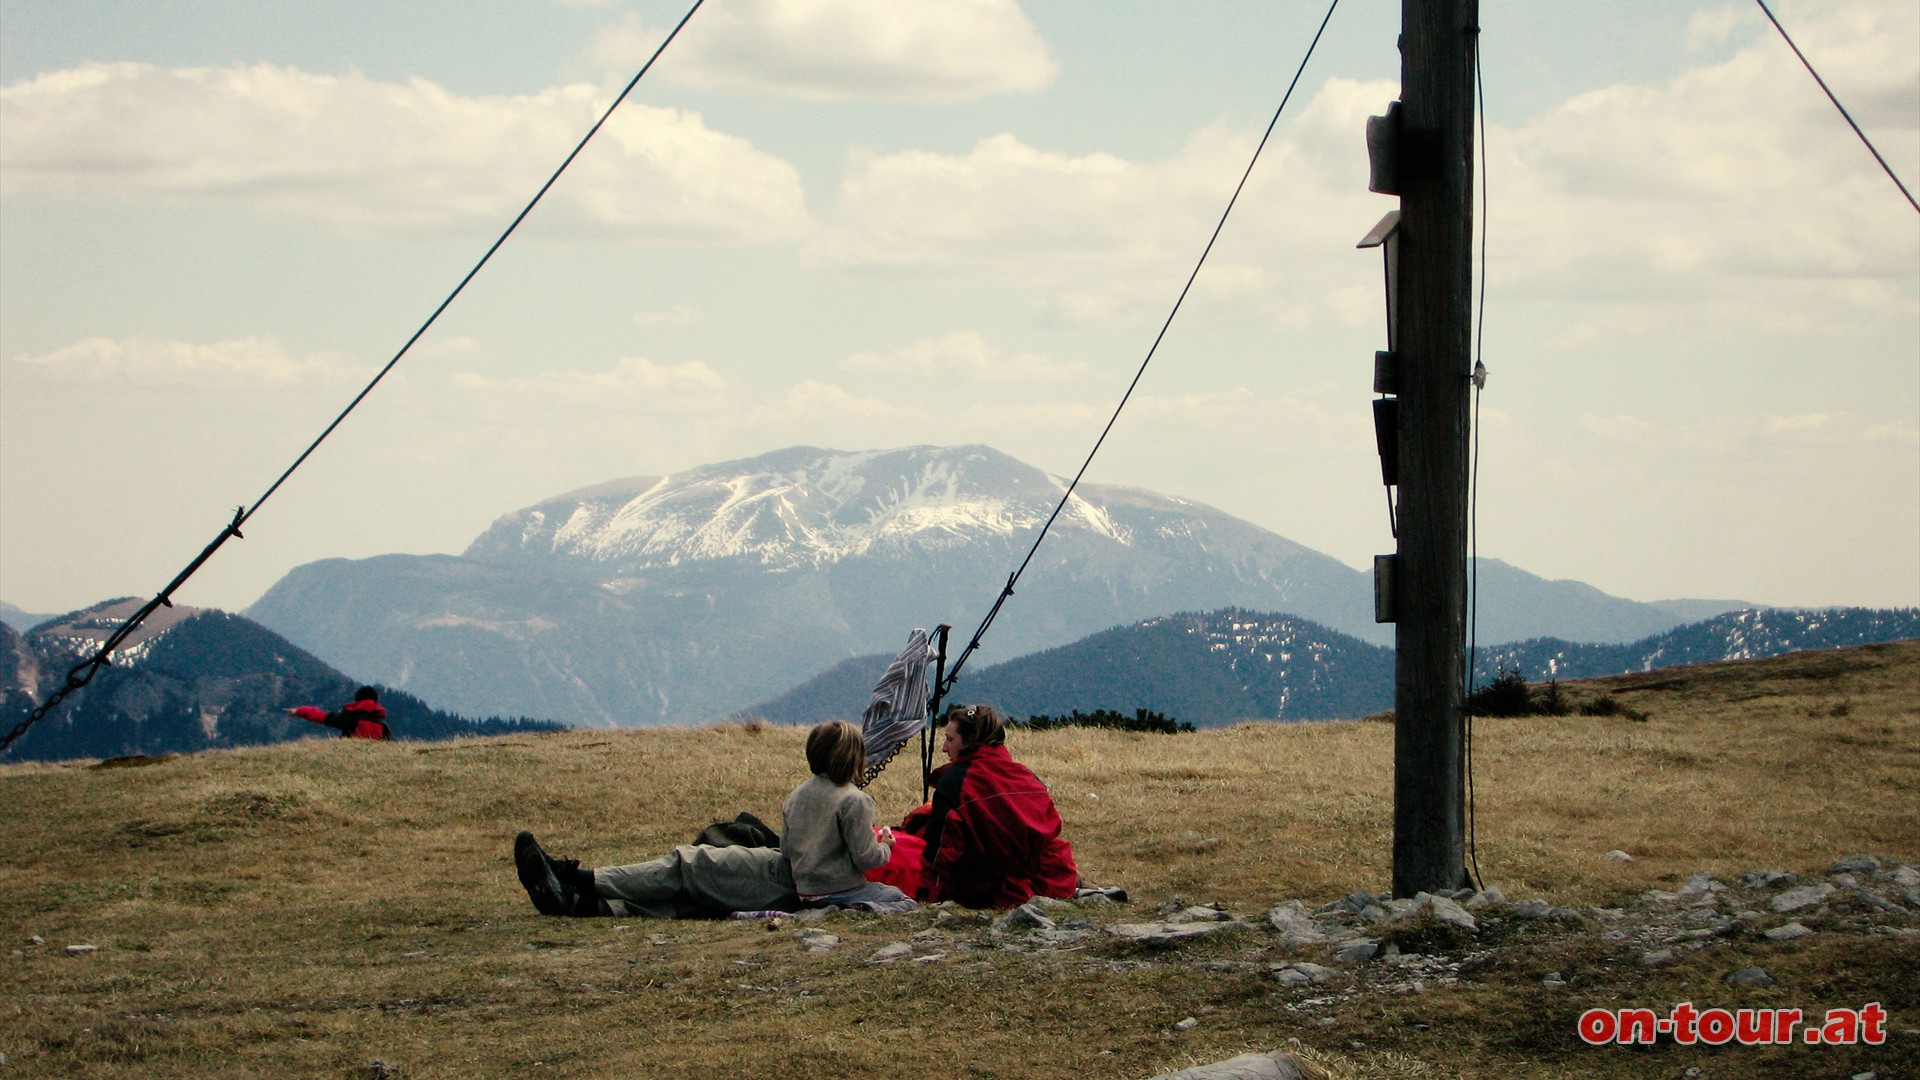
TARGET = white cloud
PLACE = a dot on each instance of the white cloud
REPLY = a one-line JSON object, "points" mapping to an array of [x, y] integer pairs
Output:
{"points": [[679, 315], [1804, 422], [924, 51], [153, 362], [632, 384], [388, 157], [1099, 239], [1734, 187], [965, 355], [1628, 428]]}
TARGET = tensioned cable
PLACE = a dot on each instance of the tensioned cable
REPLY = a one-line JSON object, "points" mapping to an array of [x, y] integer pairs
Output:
{"points": [[953, 674], [1808, 64], [1473, 487], [82, 673]]}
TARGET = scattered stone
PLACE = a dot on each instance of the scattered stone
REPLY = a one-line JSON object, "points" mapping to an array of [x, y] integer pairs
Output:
{"points": [[1486, 896], [1059, 937], [1656, 958], [1188, 1024], [1296, 927], [1700, 885], [1874, 899], [1400, 909], [887, 954], [1274, 1066], [1769, 879], [1025, 917], [1167, 935], [930, 958], [1906, 877], [817, 941], [1356, 950], [1616, 855], [378, 1069], [36, 939], [1752, 976], [1305, 974], [1553, 981], [1353, 903], [82, 950], [1855, 864], [1865, 1076], [1540, 909], [1803, 896], [1447, 910], [1202, 913], [1373, 913]]}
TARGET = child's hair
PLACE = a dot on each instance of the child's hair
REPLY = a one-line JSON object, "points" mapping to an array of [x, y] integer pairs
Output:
{"points": [[836, 751], [980, 725]]}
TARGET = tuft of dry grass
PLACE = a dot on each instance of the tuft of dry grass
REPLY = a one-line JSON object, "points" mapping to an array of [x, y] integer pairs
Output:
{"points": [[307, 909]]}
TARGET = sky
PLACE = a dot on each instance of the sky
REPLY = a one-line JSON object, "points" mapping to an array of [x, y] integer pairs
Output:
{"points": [[862, 224]]}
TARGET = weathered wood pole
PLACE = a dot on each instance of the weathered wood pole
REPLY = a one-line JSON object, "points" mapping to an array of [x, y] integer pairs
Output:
{"points": [[1435, 330]]}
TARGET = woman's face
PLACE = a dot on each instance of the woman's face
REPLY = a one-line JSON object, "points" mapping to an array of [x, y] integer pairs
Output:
{"points": [[952, 743]]}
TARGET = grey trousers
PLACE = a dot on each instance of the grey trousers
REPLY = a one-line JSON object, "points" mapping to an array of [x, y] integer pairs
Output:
{"points": [[694, 881]]}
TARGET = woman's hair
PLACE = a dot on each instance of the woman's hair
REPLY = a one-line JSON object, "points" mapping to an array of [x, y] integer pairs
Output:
{"points": [[836, 751], [980, 725]]}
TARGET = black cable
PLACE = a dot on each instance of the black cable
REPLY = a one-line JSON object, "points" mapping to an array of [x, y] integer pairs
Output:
{"points": [[1804, 62], [1473, 486], [82, 673], [993, 612]]}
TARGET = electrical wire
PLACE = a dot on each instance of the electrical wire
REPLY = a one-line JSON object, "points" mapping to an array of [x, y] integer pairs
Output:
{"points": [[82, 673], [1808, 64], [1473, 485], [953, 674]]}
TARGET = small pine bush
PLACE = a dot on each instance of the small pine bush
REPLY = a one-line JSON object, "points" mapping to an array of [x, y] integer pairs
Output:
{"points": [[1141, 720]]}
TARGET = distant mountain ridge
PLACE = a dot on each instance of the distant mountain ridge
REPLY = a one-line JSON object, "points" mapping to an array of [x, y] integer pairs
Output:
{"points": [[683, 598], [195, 680], [1222, 667]]}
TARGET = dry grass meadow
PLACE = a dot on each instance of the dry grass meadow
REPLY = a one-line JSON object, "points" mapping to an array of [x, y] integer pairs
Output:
{"points": [[310, 909]]}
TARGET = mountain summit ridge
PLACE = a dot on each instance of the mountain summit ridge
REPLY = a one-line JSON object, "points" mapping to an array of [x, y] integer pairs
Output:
{"points": [[685, 597]]}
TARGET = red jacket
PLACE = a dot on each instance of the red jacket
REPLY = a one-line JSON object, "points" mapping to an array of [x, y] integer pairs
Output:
{"points": [[993, 837], [356, 719]]}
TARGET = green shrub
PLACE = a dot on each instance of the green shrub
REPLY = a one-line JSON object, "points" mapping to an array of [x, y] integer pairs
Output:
{"points": [[1506, 695], [1141, 720]]}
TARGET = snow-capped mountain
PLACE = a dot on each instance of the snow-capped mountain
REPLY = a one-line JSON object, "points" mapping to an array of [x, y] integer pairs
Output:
{"points": [[682, 598]]}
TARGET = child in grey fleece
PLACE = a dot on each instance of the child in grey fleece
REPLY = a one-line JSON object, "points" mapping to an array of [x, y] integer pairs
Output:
{"points": [[828, 832]]}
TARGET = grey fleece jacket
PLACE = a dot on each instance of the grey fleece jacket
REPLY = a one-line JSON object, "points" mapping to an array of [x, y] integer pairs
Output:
{"points": [[828, 837]]}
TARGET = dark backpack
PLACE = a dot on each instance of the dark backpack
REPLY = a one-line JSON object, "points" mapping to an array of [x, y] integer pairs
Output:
{"points": [[744, 830]]}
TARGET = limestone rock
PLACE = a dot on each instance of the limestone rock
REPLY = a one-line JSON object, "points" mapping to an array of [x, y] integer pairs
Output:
{"points": [[1167, 935], [1855, 864], [1274, 1066], [1355, 950], [1305, 974], [1803, 896], [1296, 927]]}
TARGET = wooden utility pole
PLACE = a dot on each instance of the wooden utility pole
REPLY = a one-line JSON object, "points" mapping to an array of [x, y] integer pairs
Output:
{"points": [[1435, 153]]}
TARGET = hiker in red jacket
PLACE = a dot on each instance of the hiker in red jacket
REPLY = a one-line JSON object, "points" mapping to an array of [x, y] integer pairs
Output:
{"points": [[992, 833], [361, 718]]}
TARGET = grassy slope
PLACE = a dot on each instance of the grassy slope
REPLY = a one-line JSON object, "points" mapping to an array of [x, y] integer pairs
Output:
{"points": [[307, 909]]}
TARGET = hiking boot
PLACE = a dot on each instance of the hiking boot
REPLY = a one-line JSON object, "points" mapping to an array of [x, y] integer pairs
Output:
{"points": [[548, 881]]}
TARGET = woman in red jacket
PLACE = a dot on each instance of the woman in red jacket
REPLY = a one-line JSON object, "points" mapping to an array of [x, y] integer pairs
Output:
{"points": [[992, 833], [362, 718]]}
